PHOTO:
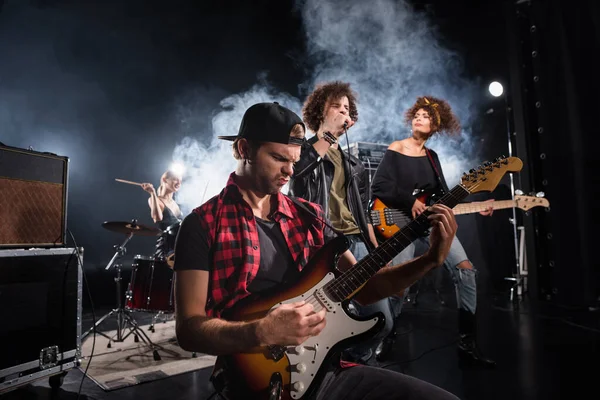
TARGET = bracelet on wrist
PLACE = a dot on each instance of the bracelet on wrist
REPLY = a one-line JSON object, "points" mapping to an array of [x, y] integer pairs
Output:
{"points": [[329, 138]]}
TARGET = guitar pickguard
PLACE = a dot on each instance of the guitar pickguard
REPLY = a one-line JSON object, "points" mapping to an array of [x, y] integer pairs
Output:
{"points": [[306, 360]]}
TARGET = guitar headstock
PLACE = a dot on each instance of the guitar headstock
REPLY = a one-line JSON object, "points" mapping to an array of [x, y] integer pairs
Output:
{"points": [[527, 202], [486, 177]]}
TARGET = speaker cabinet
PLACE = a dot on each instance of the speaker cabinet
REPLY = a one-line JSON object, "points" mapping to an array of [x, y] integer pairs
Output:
{"points": [[33, 198], [40, 305]]}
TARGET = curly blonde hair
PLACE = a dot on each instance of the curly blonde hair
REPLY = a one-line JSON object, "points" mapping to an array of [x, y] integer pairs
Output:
{"points": [[440, 112]]}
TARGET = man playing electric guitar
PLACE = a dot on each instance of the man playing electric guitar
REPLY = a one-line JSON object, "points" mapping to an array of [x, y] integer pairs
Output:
{"points": [[406, 165], [252, 239]]}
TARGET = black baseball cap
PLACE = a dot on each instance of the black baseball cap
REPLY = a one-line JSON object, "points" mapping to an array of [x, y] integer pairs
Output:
{"points": [[268, 122]]}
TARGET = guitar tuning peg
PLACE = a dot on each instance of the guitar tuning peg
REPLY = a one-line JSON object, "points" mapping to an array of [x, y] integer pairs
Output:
{"points": [[540, 194], [518, 192], [472, 170]]}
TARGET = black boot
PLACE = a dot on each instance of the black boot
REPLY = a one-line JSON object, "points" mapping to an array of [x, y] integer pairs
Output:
{"points": [[468, 352]]}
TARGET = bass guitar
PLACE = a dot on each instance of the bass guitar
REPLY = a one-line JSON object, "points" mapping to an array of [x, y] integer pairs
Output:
{"points": [[294, 372], [387, 221]]}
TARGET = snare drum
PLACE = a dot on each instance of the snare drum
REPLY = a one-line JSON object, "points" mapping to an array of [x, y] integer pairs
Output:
{"points": [[151, 286]]}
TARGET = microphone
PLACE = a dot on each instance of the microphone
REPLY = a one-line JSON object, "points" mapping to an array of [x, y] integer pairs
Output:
{"points": [[345, 125]]}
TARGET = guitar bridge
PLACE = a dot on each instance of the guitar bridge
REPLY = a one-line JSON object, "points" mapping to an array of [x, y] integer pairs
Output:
{"points": [[375, 220]]}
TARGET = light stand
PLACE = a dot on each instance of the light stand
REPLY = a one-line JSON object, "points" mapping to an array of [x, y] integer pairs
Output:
{"points": [[517, 277]]}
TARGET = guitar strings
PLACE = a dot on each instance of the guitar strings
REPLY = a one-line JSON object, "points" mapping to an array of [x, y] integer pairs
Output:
{"points": [[339, 283], [397, 213]]}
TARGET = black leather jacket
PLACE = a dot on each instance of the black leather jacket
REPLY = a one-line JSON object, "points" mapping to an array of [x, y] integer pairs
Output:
{"points": [[312, 180]]}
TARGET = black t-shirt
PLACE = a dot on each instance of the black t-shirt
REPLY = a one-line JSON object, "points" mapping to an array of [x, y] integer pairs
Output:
{"points": [[276, 264], [398, 175]]}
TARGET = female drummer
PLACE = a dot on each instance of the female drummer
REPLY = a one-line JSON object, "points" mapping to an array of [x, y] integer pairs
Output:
{"points": [[165, 212]]}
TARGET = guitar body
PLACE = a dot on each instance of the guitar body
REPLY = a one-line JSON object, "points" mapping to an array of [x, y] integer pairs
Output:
{"points": [[428, 196], [387, 221], [299, 370], [384, 227]]}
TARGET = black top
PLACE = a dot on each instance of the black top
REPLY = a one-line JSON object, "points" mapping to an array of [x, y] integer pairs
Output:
{"points": [[169, 225], [276, 264], [168, 218], [398, 175]]}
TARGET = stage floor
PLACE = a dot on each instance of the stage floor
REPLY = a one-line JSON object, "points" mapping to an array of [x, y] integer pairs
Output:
{"points": [[541, 353]]}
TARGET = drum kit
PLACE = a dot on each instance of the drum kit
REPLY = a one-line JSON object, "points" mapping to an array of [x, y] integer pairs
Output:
{"points": [[150, 289]]}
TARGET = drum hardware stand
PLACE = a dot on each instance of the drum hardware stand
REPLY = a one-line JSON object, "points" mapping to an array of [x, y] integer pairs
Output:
{"points": [[159, 313], [155, 319], [123, 316]]}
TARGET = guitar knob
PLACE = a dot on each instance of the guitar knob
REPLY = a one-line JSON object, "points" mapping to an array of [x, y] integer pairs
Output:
{"points": [[301, 368], [298, 386], [299, 350]]}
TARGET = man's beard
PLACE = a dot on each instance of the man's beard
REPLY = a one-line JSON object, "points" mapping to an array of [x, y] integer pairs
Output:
{"points": [[265, 185]]}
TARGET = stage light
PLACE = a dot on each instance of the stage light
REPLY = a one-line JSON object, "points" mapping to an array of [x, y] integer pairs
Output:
{"points": [[177, 168], [496, 89]]}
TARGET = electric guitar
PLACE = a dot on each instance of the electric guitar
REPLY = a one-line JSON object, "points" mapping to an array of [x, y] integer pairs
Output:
{"points": [[387, 221], [293, 372]]}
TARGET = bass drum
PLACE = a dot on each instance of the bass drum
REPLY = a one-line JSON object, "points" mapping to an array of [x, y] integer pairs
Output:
{"points": [[151, 286]]}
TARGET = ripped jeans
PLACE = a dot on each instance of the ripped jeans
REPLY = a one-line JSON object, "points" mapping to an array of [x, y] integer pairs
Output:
{"points": [[464, 279]]}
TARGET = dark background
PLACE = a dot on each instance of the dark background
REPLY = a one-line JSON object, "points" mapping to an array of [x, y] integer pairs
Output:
{"points": [[123, 88]]}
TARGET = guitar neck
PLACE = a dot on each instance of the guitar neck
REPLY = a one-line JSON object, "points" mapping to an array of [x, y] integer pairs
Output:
{"points": [[468, 208], [351, 280]]}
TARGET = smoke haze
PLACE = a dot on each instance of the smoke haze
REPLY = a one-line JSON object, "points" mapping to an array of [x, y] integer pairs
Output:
{"points": [[125, 88], [388, 52], [209, 160]]}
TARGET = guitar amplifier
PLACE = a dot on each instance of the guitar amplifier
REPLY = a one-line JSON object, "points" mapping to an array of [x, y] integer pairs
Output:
{"points": [[40, 307], [33, 198]]}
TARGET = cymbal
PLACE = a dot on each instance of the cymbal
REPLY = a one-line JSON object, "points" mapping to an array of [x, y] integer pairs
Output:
{"points": [[130, 227]]}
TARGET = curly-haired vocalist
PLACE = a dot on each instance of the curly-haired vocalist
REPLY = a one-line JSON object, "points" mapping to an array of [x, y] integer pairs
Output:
{"points": [[339, 182]]}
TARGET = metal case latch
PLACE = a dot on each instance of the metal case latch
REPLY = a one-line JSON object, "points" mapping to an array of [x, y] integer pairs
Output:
{"points": [[49, 357]]}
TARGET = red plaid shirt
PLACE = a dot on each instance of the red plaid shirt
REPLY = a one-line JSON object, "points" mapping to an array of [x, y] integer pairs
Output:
{"points": [[234, 247]]}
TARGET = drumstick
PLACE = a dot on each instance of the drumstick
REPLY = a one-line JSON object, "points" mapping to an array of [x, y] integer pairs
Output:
{"points": [[129, 182]]}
